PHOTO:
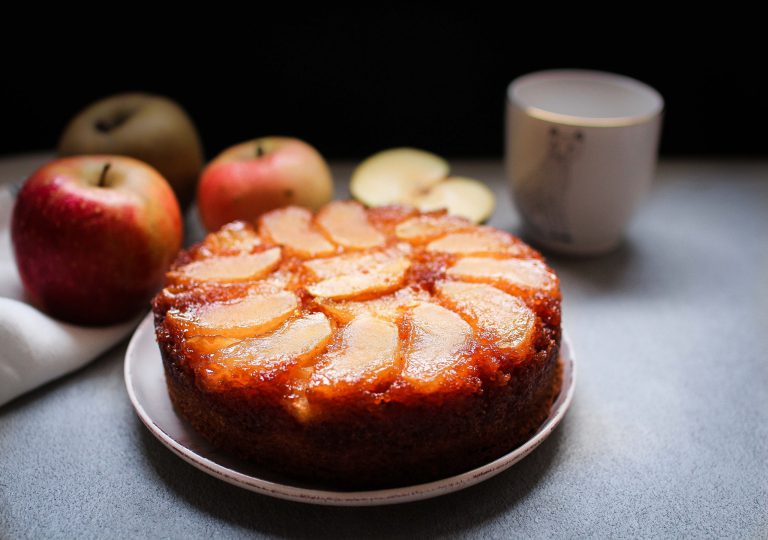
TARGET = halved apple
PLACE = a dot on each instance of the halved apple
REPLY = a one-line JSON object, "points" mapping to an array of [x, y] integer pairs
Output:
{"points": [[461, 196], [419, 178], [397, 176]]}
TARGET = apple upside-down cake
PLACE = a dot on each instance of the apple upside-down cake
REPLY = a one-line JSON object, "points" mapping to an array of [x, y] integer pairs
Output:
{"points": [[362, 348]]}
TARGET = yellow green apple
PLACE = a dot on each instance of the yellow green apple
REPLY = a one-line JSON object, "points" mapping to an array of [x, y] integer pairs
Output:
{"points": [[148, 127]]}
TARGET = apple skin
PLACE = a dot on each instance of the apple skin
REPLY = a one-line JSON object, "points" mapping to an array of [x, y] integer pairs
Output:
{"points": [[148, 127], [94, 255], [254, 177]]}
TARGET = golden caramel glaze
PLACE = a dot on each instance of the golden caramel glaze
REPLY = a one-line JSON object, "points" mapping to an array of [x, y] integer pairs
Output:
{"points": [[328, 345]]}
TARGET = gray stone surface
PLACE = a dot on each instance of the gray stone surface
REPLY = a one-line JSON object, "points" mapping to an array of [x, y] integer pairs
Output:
{"points": [[667, 435]]}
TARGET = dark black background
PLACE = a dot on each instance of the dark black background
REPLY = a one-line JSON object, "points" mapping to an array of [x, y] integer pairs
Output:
{"points": [[352, 82]]}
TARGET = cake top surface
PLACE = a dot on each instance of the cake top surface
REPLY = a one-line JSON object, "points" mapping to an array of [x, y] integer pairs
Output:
{"points": [[380, 304]]}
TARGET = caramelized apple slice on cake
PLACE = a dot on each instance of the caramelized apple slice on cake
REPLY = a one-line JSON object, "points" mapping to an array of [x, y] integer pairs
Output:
{"points": [[437, 346], [232, 239], [423, 228], [512, 274], [294, 343], [230, 269], [346, 223], [388, 307], [209, 344], [246, 317], [292, 228], [503, 318], [358, 274], [365, 359], [481, 241]]}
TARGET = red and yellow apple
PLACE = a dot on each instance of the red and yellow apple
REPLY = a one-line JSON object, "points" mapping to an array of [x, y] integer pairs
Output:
{"points": [[254, 177], [148, 127], [93, 237]]}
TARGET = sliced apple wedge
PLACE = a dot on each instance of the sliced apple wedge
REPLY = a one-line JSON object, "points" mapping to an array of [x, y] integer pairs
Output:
{"points": [[380, 279], [353, 263], [505, 318], [367, 358], [461, 196], [397, 176], [232, 239], [388, 308], [246, 317], [481, 241], [292, 228], [230, 269], [426, 227], [438, 337], [296, 342], [507, 273], [209, 344], [419, 178], [355, 275], [346, 223]]}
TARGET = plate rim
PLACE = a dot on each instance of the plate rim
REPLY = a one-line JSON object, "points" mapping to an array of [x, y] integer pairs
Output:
{"points": [[375, 497]]}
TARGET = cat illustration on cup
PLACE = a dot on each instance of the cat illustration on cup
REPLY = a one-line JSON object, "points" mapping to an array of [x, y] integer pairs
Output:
{"points": [[543, 193]]}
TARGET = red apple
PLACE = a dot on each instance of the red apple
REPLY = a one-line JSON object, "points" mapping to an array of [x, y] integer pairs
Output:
{"points": [[93, 237], [254, 177]]}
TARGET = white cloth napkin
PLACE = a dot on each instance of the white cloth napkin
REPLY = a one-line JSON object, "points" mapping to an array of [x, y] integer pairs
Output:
{"points": [[34, 348]]}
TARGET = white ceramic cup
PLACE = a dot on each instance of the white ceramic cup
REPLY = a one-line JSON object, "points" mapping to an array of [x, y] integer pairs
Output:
{"points": [[581, 152]]}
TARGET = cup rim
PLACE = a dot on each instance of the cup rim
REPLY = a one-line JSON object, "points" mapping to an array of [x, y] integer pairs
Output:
{"points": [[585, 121]]}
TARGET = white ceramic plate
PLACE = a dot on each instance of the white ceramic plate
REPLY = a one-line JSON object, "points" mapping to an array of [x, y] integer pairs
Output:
{"points": [[145, 381]]}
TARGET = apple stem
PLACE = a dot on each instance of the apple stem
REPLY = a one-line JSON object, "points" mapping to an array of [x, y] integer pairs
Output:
{"points": [[103, 176], [259, 150]]}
